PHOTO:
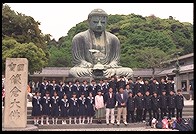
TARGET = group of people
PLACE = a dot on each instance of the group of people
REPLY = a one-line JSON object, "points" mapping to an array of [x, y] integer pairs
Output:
{"points": [[81, 101]]}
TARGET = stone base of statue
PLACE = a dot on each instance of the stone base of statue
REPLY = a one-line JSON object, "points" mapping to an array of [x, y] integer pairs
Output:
{"points": [[28, 128]]}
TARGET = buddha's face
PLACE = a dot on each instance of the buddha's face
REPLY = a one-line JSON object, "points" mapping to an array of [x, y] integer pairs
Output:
{"points": [[98, 23]]}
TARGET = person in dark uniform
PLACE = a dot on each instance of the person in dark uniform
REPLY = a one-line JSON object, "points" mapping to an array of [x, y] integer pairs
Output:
{"points": [[90, 108], [139, 105], [138, 86], [147, 105], [169, 86], [131, 84], [36, 107], [110, 102], [92, 88], [105, 85], [76, 88], [121, 83], [155, 105], [163, 104], [44, 87], [171, 104], [162, 86], [130, 108], [146, 86], [61, 90], [69, 89], [53, 87], [84, 88], [82, 108], [112, 84], [64, 107], [55, 101], [100, 86], [154, 87], [73, 108], [46, 105], [179, 104]]}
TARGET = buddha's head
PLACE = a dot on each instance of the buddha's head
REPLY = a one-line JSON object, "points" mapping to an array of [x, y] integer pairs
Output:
{"points": [[97, 20]]}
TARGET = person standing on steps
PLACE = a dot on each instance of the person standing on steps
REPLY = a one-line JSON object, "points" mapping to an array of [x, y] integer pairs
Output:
{"points": [[82, 108], [55, 100], [122, 97], [110, 102], [130, 108], [90, 110], [179, 104], [64, 106], [46, 111], [36, 109], [99, 105], [73, 108]]}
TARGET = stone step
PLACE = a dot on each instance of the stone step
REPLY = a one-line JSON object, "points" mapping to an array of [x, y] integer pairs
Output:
{"points": [[94, 125]]}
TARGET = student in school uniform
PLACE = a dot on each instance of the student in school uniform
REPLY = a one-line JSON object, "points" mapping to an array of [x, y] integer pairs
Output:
{"points": [[82, 108], [84, 89], [64, 106], [112, 84], [73, 108], [69, 89], [99, 105], [130, 107], [44, 87], [147, 105], [55, 100], [53, 87], [179, 104], [76, 88], [163, 104], [139, 106], [155, 105], [36, 107], [110, 102], [46, 105], [171, 104], [61, 90], [92, 88], [101, 86], [90, 108]]}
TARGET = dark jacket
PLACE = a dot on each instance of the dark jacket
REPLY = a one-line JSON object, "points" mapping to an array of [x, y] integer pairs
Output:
{"points": [[139, 102], [131, 104], [154, 88], [163, 101], [148, 102], [179, 102], [155, 103], [122, 100], [138, 87], [171, 101], [169, 87], [112, 84], [110, 102], [120, 84]]}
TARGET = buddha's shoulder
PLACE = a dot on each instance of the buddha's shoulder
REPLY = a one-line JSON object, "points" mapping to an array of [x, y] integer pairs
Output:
{"points": [[80, 35], [112, 36]]}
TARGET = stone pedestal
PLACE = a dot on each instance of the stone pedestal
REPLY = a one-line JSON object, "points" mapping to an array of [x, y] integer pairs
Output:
{"points": [[16, 80]]}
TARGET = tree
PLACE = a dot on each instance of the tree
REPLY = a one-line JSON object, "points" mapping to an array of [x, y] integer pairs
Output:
{"points": [[151, 57], [13, 49]]}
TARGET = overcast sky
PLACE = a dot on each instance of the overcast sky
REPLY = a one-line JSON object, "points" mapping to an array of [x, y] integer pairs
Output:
{"points": [[57, 18]]}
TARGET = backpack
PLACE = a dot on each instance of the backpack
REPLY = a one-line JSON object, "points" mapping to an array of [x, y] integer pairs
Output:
{"points": [[185, 125], [159, 125], [165, 123]]}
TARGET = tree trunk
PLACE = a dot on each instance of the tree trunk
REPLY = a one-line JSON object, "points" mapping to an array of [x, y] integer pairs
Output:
{"points": [[153, 71]]}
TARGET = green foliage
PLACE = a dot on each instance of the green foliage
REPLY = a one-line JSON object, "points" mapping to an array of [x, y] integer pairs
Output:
{"points": [[23, 38], [13, 49]]}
